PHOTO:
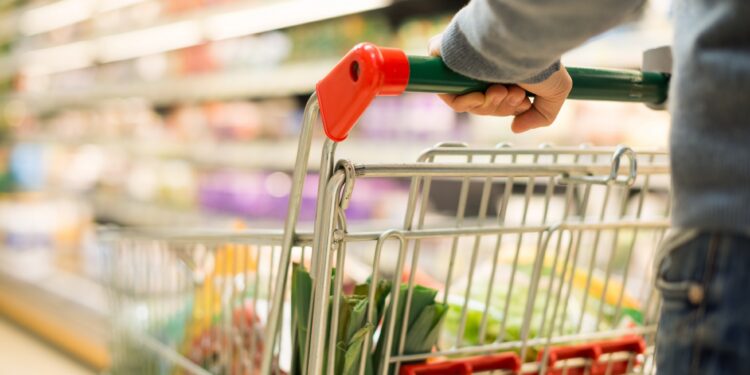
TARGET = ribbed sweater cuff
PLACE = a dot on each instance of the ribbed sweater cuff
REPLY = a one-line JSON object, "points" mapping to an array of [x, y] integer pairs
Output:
{"points": [[463, 58]]}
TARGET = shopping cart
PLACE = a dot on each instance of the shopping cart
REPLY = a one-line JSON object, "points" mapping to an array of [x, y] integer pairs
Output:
{"points": [[509, 260]]}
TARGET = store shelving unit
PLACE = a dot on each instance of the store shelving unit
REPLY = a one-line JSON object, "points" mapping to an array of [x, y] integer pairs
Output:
{"points": [[287, 80], [214, 23], [53, 306], [253, 155], [64, 309], [128, 212], [188, 29]]}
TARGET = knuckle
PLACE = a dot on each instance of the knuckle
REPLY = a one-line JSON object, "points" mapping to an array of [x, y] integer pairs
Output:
{"points": [[566, 84], [458, 107], [475, 110], [548, 120]]}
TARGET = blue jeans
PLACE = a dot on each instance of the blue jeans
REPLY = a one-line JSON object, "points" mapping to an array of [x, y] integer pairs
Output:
{"points": [[705, 319]]}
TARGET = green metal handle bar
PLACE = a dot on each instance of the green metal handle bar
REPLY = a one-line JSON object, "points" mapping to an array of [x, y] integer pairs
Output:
{"points": [[430, 74], [368, 71]]}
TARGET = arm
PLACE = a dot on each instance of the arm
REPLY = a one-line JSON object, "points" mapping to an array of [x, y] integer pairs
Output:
{"points": [[521, 41]]}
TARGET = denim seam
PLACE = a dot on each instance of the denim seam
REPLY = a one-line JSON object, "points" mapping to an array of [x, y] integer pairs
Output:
{"points": [[700, 312]]}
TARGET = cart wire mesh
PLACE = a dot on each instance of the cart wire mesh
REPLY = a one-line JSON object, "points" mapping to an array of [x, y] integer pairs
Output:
{"points": [[539, 254]]}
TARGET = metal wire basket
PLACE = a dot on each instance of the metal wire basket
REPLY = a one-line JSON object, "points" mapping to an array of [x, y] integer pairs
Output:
{"points": [[515, 260]]}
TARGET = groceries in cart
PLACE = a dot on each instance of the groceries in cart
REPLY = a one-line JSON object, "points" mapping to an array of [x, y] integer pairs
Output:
{"points": [[217, 321], [356, 330], [488, 323]]}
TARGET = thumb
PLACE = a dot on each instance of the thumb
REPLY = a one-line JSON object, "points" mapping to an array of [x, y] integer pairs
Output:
{"points": [[550, 96], [434, 45], [542, 113]]}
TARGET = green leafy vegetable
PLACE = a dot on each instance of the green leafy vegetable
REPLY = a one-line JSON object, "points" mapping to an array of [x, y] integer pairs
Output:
{"points": [[349, 356], [423, 323], [301, 293], [353, 329]]}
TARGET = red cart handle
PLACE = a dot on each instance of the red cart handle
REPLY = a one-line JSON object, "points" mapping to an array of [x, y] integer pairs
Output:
{"points": [[466, 366], [365, 72], [368, 71]]}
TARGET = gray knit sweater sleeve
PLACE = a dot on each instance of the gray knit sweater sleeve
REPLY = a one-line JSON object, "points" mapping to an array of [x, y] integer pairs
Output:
{"points": [[522, 40]]}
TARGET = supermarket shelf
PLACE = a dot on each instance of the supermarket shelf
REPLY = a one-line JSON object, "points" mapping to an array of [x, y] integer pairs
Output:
{"points": [[290, 79], [254, 155], [64, 309], [170, 33], [197, 27], [132, 213], [280, 155], [22, 352]]}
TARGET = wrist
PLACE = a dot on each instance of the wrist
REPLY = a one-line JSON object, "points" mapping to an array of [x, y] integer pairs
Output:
{"points": [[544, 74], [557, 84]]}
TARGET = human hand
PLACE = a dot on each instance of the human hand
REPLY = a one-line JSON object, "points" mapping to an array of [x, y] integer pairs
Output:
{"points": [[511, 99]]}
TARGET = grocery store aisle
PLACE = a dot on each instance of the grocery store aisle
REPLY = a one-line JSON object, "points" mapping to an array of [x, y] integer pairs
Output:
{"points": [[22, 353]]}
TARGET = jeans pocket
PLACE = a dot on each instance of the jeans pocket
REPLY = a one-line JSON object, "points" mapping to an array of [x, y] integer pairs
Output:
{"points": [[680, 276], [685, 281], [676, 329], [680, 293]]}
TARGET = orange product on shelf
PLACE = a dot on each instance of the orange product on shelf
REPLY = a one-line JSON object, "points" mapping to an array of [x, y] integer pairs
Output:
{"points": [[196, 59]]}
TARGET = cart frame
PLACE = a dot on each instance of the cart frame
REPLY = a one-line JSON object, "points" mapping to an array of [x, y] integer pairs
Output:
{"points": [[330, 235]]}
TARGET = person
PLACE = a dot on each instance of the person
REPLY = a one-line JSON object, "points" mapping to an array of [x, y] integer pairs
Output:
{"points": [[703, 267]]}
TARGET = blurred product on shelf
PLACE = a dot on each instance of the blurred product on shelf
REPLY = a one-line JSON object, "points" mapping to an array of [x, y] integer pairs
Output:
{"points": [[263, 50], [190, 156], [410, 117], [265, 196], [41, 232], [414, 33], [252, 195], [335, 37]]}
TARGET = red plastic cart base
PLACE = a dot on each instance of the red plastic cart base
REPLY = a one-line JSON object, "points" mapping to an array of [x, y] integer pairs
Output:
{"points": [[465, 366], [591, 352], [512, 362]]}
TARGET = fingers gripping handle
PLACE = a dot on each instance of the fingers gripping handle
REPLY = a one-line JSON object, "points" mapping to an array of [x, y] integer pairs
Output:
{"points": [[368, 71], [430, 74]]}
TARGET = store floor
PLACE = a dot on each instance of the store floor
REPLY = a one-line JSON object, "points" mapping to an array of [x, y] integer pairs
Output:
{"points": [[23, 353]]}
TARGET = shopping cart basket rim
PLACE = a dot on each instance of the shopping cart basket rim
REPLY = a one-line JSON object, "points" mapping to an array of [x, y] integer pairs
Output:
{"points": [[274, 237]]}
